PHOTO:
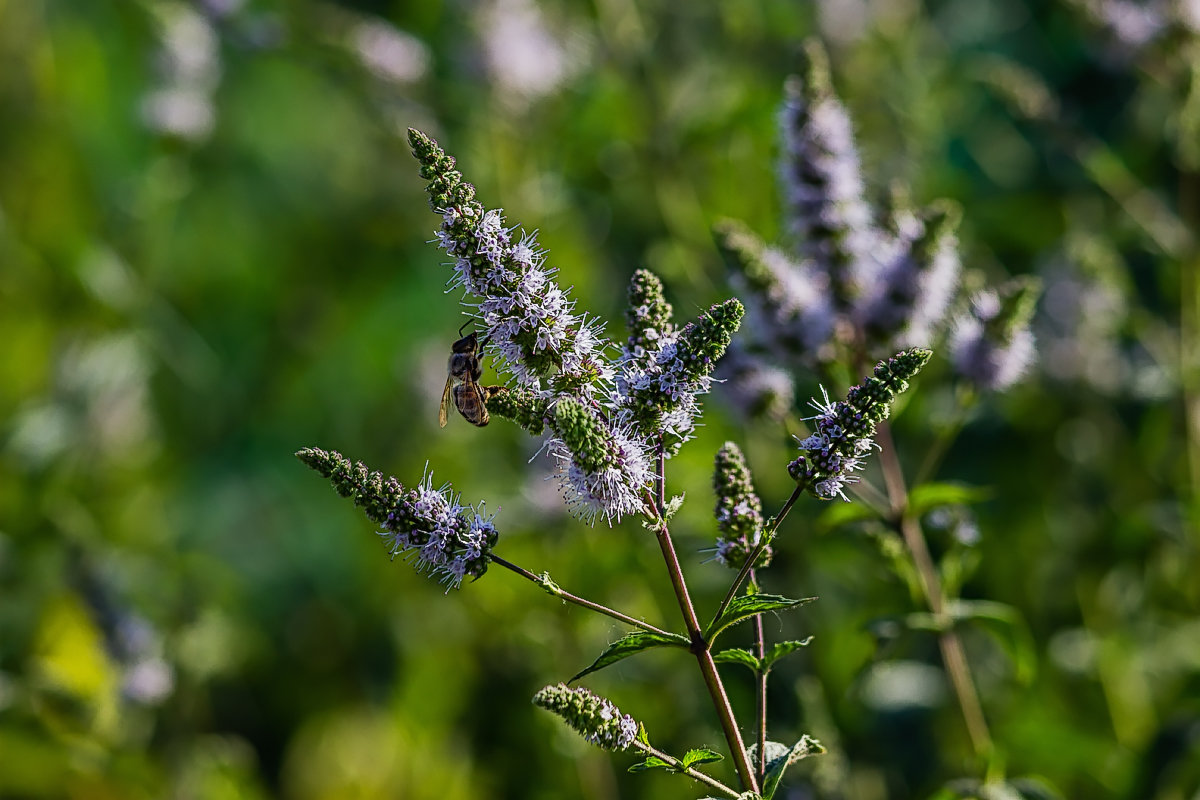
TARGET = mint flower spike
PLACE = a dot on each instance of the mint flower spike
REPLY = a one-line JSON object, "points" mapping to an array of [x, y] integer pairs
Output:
{"points": [[822, 181], [648, 319], [738, 511], [788, 306], [991, 344], [528, 319], [918, 280], [426, 526], [603, 469], [593, 717], [842, 432], [660, 398]]}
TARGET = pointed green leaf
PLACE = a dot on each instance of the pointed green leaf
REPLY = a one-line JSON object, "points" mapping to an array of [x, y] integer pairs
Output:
{"points": [[807, 746], [747, 606], [642, 737], [929, 496], [736, 655], [700, 755], [628, 645], [650, 762], [782, 649]]}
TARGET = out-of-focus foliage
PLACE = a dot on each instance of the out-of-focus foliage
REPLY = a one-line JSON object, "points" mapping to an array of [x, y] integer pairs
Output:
{"points": [[213, 251]]}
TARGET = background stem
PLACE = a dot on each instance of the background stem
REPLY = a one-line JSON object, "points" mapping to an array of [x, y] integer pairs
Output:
{"points": [[700, 647], [949, 642]]}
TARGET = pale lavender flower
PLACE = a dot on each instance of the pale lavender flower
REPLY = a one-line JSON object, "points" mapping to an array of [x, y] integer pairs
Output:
{"points": [[388, 53], [525, 58], [842, 430], [658, 398], [991, 344], [910, 300], [602, 468], [430, 528], [822, 180], [528, 320], [439, 535], [754, 388], [788, 305], [189, 64], [593, 717]]}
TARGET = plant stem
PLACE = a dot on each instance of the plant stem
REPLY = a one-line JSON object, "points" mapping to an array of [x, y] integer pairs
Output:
{"points": [[700, 647], [949, 642], [691, 773], [760, 646], [550, 586], [763, 541]]}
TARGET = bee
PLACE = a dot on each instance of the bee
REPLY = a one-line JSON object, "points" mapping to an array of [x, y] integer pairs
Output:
{"points": [[462, 383]]}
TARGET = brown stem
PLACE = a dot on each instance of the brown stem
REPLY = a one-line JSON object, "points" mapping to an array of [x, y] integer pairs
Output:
{"points": [[700, 647], [553, 588], [949, 642]]}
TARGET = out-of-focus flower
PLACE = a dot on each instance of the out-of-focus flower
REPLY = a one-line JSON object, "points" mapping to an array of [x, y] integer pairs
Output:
{"points": [[789, 311], [753, 387], [842, 430], [427, 526], [524, 57], [389, 54], [592, 716], [822, 181], [917, 283], [991, 344], [738, 510], [189, 71]]}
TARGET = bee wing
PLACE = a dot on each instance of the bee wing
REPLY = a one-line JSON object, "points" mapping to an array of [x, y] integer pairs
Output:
{"points": [[443, 411]]}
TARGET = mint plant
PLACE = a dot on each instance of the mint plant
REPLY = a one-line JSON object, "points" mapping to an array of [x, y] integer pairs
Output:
{"points": [[851, 287]]}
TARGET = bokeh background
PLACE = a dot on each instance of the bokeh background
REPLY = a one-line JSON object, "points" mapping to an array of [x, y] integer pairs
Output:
{"points": [[214, 250]]}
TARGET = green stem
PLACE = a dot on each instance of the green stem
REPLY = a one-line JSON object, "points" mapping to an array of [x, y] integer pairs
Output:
{"points": [[953, 655], [760, 646], [763, 541], [689, 771], [550, 586]]}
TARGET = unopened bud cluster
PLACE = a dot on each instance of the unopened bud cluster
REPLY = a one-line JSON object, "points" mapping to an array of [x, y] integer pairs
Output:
{"points": [[522, 407], [843, 429], [648, 319], [659, 397], [595, 718], [738, 510], [427, 526]]}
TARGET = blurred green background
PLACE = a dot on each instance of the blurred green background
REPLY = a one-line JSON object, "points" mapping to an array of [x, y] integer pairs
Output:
{"points": [[214, 250]]}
